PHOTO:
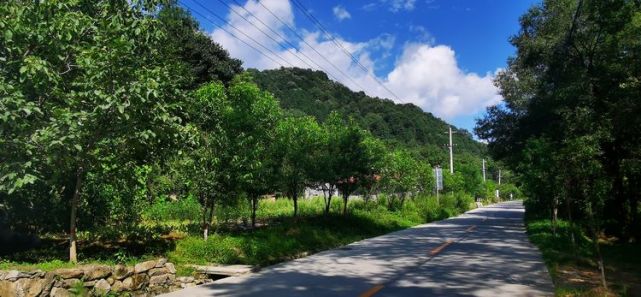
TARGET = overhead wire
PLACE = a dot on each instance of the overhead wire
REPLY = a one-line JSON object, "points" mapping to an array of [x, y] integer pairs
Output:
{"points": [[318, 24], [310, 46], [230, 33], [262, 31], [240, 31]]}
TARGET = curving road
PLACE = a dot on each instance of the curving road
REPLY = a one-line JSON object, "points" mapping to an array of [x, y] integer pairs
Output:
{"points": [[484, 252]]}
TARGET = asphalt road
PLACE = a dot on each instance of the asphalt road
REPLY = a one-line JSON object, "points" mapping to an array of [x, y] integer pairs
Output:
{"points": [[484, 252]]}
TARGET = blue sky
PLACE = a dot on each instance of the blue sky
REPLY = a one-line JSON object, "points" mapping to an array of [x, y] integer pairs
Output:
{"points": [[438, 54]]}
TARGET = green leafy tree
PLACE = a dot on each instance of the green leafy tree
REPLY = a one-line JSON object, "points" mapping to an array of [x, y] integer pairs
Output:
{"points": [[204, 59], [251, 129], [296, 144], [207, 163], [83, 85], [571, 105], [400, 176], [353, 159]]}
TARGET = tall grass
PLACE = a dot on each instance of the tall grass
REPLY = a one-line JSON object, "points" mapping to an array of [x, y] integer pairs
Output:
{"points": [[285, 237]]}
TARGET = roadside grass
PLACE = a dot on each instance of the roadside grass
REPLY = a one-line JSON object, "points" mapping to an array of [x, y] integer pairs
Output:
{"points": [[167, 232], [284, 237], [573, 267]]}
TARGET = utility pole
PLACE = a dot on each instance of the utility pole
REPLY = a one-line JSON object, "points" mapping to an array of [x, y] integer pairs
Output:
{"points": [[499, 177], [483, 170], [451, 153]]}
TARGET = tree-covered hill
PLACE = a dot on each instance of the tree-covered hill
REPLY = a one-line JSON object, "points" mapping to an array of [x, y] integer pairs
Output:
{"points": [[313, 93]]}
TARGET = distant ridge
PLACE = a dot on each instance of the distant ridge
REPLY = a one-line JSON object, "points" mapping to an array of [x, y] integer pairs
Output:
{"points": [[311, 92]]}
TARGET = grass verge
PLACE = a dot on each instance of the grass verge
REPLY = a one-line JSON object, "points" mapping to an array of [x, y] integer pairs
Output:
{"points": [[573, 267]]}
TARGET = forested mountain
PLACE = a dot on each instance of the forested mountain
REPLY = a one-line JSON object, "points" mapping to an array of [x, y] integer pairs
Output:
{"points": [[313, 93]]}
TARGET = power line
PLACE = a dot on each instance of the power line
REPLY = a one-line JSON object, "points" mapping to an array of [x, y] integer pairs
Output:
{"points": [[230, 33], [318, 24], [311, 47], [261, 30], [245, 34]]}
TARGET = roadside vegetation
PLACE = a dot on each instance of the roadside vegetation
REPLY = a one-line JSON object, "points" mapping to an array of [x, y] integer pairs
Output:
{"points": [[569, 130], [569, 255], [126, 133], [278, 236]]}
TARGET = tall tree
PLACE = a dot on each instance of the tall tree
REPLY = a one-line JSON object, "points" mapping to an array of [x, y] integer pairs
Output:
{"points": [[251, 128], [400, 176], [207, 163], [84, 84], [297, 142], [571, 99], [205, 60]]}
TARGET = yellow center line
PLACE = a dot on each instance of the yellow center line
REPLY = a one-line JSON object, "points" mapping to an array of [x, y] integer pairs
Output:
{"points": [[373, 290], [440, 247], [470, 228]]}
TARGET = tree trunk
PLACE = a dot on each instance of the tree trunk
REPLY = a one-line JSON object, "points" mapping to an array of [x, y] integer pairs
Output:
{"points": [[254, 202], [597, 249], [345, 197], [206, 216], [149, 190], [634, 207], [328, 199], [568, 205], [295, 197], [73, 252], [555, 213]]}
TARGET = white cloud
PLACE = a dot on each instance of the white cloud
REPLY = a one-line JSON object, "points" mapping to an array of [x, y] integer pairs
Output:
{"points": [[397, 5], [393, 5], [341, 13], [429, 77], [424, 74], [423, 34]]}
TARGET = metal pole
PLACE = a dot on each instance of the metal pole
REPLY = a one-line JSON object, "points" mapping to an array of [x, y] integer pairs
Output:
{"points": [[499, 176], [451, 154], [483, 170]]}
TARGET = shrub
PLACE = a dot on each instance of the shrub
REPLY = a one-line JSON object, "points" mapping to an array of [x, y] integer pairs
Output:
{"points": [[164, 210]]}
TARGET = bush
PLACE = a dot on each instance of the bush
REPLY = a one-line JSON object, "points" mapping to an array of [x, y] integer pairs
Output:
{"points": [[185, 209]]}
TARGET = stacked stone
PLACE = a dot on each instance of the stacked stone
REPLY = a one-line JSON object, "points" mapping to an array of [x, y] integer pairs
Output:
{"points": [[144, 279]]}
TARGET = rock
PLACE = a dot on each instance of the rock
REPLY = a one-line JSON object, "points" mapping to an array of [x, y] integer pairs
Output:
{"points": [[159, 290], [60, 292], [158, 280], [27, 287], [187, 285], [70, 282], [93, 272], [127, 284], [185, 279], [171, 268], [111, 280], [161, 262], [7, 288], [13, 275], [102, 287], [88, 284], [69, 272], [121, 272], [117, 286], [144, 266], [37, 274], [157, 271], [139, 281], [49, 280]]}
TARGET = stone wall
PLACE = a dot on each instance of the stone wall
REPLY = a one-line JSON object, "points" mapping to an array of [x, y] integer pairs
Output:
{"points": [[144, 279]]}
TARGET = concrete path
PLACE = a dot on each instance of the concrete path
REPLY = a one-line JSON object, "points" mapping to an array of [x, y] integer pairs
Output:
{"points": [[484, 252]]}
